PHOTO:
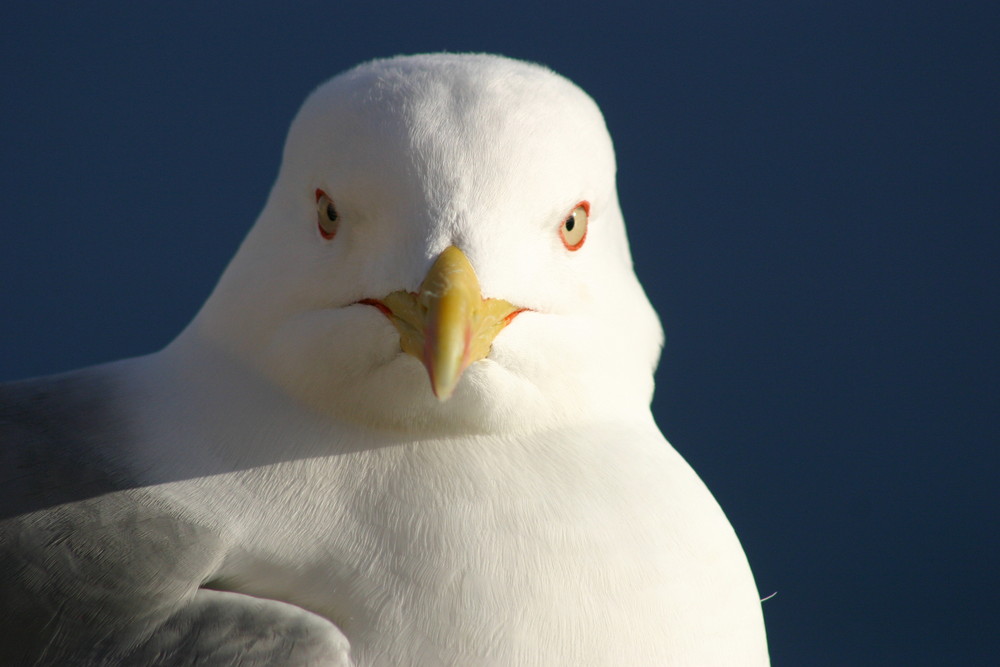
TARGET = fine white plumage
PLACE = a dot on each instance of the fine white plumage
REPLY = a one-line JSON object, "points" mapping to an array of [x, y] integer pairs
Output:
{"points": [[410, 426]]}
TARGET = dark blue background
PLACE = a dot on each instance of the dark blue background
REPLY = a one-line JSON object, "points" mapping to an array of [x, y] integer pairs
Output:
{"points": [[812, 193]]}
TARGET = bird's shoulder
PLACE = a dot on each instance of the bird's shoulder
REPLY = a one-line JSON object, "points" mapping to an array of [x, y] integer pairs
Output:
{"points": [[55, 437], [65, 485]]}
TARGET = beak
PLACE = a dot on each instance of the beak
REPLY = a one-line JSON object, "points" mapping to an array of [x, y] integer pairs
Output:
{"points": [[448, 324]]}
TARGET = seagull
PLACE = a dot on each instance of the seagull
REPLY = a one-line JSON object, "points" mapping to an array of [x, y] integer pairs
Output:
{"points": [[410, 426]]}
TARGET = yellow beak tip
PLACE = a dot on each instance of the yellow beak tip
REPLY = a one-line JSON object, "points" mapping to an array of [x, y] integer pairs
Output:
{"points": [[443, 395], [443, 384]]}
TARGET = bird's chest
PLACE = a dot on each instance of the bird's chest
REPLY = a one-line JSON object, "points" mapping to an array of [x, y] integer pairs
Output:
{"points": [[457, 561]]}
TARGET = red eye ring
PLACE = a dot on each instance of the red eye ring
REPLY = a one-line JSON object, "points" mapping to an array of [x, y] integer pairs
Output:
{"points": [[327, 218], [573, 230]]}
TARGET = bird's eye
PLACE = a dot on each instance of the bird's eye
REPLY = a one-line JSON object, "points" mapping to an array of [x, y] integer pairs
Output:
{"points": [[574, 228], [326, 215]]}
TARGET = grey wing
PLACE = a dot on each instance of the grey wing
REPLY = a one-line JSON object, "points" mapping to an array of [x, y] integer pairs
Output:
{"points": [[91, 575], [51, 430], [224, 628]]}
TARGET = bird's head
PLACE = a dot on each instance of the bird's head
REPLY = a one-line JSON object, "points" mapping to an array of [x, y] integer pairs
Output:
{"points": [[443, 251]]}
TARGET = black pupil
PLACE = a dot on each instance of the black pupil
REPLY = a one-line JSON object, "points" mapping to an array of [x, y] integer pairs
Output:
{"points": [[570, 223], [331, 212]]}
